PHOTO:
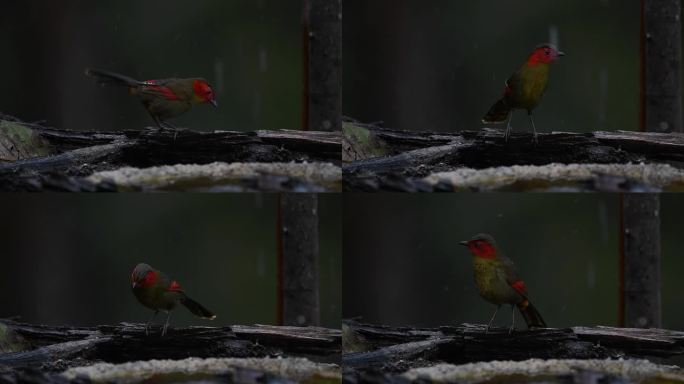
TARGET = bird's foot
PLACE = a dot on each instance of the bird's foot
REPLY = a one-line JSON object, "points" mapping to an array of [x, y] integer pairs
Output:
{"points": [[165, 125], [510, 330], [168, 126], [535, 138]]}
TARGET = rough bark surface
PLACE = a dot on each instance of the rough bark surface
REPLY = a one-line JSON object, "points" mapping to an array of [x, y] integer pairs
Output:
{"points": [[383, 349], [641, 255], [662, 59], [384, 159], [323, 42], [300, 275], [27, 349], [368, 345], [75, 155]]}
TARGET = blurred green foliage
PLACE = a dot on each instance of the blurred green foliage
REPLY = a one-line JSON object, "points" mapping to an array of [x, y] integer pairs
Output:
{"points": [[68, 259], [439, 65], [249, 50]]}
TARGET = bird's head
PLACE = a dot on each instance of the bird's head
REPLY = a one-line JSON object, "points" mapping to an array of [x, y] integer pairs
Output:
{"points": [[481, 245], [143, 276], [203, 92], [544, 54]]}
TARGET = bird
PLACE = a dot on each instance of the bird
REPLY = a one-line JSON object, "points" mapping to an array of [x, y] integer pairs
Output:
{"points": [[163, 99], [498, 282], [155, 290], [524, 89]]}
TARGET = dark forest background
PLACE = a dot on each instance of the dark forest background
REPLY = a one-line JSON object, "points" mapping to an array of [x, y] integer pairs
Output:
{"points": [[419, 65], [439, 65], [68, 259], [403, 265], [249, 50]]}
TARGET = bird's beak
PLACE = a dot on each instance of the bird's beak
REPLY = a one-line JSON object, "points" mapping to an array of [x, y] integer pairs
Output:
{"points": [[135, 284], [214, 103], [464, 243], [561, 53]]}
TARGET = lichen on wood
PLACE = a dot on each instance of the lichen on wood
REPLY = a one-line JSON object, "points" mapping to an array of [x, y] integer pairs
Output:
{"points": [[605, 177], [319, 177], [19, 141], [537, 370], [190, 369]]}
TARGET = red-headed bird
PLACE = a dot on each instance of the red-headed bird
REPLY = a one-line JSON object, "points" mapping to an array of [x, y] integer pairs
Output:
{"points": [[155, 290], [525, 88], [163, 99], [499, 283]]}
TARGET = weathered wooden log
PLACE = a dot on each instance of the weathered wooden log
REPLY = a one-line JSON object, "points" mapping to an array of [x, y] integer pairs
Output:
{"points": [[384, 159], [24, 345], [74, 155], [487, 148], [371, 346]]}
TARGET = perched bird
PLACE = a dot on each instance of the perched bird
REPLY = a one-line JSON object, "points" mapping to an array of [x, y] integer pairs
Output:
{"points": [[525, 88], [163, 99], [157, 291], [498, 282]]}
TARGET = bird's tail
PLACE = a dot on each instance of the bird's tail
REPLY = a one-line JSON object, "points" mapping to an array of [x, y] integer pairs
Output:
{"points": [[111, 78], [532, 317], [197, 309], [498, 113]]}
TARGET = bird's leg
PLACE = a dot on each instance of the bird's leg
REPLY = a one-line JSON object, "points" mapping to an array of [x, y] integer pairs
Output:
{"points": [[509, 128], [167, 125], [147, 326], [512, 319], [166, 325], [157, 121], [492, 319], [534, 129]]}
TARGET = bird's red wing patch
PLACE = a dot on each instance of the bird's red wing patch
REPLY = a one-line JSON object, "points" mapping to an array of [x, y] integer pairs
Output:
{"points": [[175, 287], [165, 92], [149, 278], [519, 286]]}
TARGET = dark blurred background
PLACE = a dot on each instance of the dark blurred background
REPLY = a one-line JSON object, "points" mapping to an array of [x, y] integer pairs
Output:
{"points": [[249, 50], [440, 64], [403, 265], [68, 259]]}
